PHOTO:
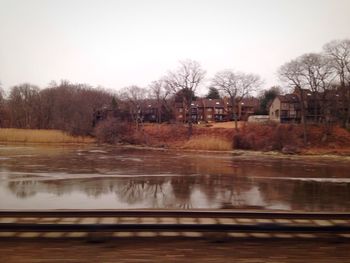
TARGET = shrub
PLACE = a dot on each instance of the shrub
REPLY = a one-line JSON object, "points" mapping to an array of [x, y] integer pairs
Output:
{"points": [[267, 137], [111, 131], [162, 134], [135, 137]]}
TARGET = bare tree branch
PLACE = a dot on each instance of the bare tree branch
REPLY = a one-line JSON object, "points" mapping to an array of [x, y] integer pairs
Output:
{"points": [[187, 78], [237, 86]]}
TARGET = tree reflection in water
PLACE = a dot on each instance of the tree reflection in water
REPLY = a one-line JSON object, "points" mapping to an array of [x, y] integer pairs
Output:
{"points": [[177, 192], [182, 189], [23, 189], [138, 190], [117, 178]]}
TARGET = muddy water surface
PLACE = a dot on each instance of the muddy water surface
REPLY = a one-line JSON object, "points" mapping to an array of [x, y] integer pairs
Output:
{"points": [[89, 177]]}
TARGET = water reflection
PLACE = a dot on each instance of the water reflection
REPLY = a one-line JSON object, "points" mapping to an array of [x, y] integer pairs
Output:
{"points": [[40, 178]]}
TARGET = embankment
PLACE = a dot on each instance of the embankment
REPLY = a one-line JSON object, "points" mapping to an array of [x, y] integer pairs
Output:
{"points": [[287, 138], [40, 136]]}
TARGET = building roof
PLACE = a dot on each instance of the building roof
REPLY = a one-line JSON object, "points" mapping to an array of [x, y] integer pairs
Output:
{"points": [[250, 102], [211, 103], [220, 103], [149, 103], [288, 98]]}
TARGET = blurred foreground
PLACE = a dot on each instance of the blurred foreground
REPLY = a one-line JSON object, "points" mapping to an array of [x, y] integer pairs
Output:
{"points": [[176, 250]]}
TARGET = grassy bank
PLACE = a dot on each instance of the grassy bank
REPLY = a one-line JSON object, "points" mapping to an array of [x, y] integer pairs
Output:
{"points": [[40, 136], [286, 138], [208, 143]]}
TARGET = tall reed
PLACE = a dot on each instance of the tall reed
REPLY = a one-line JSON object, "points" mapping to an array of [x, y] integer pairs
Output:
{"points": [[204, 142], [40, 136]]}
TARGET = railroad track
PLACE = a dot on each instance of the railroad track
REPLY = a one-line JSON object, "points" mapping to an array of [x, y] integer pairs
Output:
{"points": [[68, 223]]}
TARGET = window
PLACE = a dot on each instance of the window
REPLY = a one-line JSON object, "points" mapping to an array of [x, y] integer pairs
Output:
{"points": [[209, 109], [284, 106], [209, 116], [284, 113], [180, 109], [180, 116]]}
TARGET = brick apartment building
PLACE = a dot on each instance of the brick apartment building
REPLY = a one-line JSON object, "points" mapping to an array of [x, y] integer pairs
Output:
{"points": [[215, 110]]}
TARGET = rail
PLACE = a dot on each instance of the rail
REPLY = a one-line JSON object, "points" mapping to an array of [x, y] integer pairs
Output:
{"points": [[158, 221]]}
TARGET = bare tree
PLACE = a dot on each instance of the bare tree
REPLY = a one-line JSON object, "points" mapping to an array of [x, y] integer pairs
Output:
{"points": [[338, 52], [236, 86], [316, 71], [318, 76], [24, 106], [134, 95], [70, 107], [312, 74], [1, 92], [159, 91], [292, 74], [65, 106], [2, 107], [186, 80]]}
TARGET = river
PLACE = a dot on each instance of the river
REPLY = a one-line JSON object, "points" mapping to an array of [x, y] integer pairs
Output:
{"points": [[101, 177]]}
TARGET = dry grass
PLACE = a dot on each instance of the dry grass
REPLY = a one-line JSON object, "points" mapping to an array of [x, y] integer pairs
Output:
{"points": [[40, 136], [227, 125], [208, 143]]}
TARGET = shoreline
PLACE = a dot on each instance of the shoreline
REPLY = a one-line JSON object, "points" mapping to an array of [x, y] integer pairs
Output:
{"points": [[308, 153], [238, 152]]}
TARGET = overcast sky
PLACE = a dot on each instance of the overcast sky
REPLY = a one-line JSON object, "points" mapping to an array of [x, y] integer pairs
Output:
{"points": [[132, 42]]}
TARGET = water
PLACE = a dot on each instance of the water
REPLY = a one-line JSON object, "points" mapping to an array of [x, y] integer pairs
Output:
{"points": [[38, 177]]}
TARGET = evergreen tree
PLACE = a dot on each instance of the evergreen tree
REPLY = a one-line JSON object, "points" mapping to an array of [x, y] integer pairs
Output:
{"points": [[266, 97], [213, 93]]}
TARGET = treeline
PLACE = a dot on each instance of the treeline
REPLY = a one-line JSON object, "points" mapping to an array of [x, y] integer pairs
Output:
{"points": [[64, 106], [324, 79], [72, 107]]}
